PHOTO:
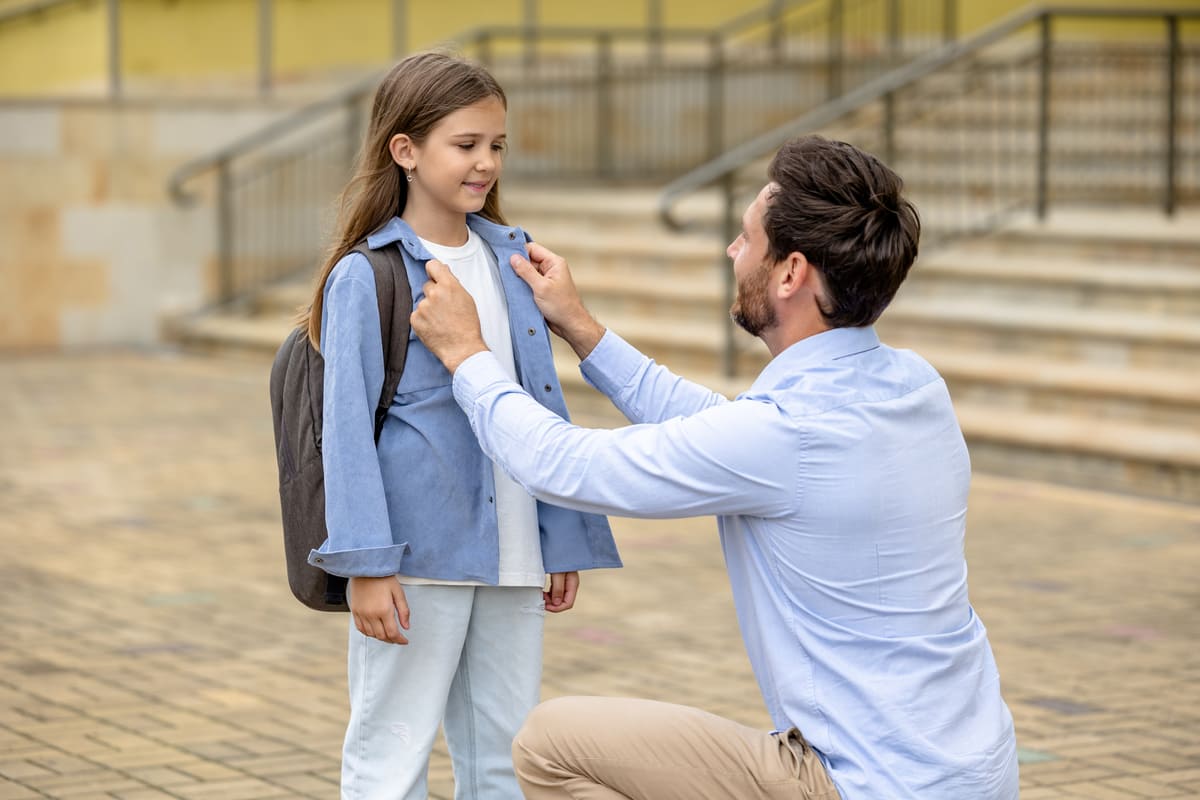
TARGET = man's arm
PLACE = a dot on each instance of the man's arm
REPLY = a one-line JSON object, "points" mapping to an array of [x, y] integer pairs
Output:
{"points": [[735, 458]]}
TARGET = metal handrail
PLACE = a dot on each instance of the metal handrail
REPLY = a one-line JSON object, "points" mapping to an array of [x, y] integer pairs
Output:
{"points": [[266, 135], [736, 158], [723, 171]]}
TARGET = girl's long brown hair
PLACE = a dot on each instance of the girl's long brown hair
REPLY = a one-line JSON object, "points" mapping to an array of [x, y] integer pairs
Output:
{"points": [[413, 97]]}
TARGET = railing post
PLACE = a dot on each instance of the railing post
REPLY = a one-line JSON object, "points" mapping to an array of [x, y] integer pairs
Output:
{"points": [[604, 105], [225, 288], [778, 33], [399, 27], [1172, 112], [654, 30], [484, 43], [114, 49], [264, 47], [1043, 151], [729, 280], [889, 129], [353, 132], [893, 32], [835, 54], [530, 33], [715, 132], [949, 21]]}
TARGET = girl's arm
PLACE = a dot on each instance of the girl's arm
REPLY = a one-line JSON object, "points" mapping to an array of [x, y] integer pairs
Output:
{"points": [[360, 535]]}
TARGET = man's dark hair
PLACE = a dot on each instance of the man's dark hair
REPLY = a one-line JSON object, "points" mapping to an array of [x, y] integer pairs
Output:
{"points": [[841, 208]]}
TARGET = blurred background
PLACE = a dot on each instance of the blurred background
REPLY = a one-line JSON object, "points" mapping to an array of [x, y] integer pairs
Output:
{"points": [[168, 171]]}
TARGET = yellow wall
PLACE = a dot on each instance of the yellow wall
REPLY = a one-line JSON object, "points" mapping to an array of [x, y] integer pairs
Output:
{"points": [[65, 49], [61, 47]]}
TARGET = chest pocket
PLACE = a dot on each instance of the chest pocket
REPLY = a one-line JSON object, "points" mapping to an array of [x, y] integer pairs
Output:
{"points": [[422, 370]]}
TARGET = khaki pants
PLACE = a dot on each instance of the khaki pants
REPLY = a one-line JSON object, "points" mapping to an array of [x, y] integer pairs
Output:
{"points": [[604, 748]]}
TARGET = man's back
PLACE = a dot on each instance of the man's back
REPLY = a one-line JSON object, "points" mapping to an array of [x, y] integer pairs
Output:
{"points": [[853, 604]]}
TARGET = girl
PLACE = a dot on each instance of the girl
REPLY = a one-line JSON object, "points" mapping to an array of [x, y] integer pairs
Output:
{"points": [[446, 555]]}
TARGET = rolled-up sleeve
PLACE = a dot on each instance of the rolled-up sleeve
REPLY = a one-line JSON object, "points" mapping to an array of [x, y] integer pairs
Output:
{"points": [[356, 517], [728, 458]]}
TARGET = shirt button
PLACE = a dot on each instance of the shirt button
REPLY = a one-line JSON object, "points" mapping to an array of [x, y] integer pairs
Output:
{"points": [[511, 236], [318, 561], [546, 387], [489, 499], [532, 331]]}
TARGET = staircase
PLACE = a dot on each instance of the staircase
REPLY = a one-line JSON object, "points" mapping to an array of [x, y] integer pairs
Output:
{"points": [[1071, 348]]}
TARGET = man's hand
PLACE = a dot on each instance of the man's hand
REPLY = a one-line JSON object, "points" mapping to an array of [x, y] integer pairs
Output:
{"points": [[446, 319], [379, 608], [563, 588], [557, 298]]}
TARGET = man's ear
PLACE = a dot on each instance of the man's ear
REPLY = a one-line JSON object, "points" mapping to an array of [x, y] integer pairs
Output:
{"points": [[794, 272], [403, 150]]}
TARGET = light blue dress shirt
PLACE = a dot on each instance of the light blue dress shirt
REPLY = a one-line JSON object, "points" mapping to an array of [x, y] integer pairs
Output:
{"points": [[840, 483]]}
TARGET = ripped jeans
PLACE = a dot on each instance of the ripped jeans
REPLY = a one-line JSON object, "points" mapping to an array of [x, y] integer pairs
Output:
{"points": [[474, 664]]}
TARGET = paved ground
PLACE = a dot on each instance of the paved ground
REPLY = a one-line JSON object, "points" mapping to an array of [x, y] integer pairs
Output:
{"points": [[149, 647]]}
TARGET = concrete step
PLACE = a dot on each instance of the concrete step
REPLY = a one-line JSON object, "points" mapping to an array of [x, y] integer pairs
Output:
{"points": [[1099, 392], [1150, 460], [1122, 338], [229, 333], [611, 211], [1134, 234], [1078, 283]]}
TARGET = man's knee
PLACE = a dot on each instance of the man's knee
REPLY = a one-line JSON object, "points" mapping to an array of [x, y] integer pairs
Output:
{"points": [[536, 737]]}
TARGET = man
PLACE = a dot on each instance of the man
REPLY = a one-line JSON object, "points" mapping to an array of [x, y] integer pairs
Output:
{"points": [[840, 483]]}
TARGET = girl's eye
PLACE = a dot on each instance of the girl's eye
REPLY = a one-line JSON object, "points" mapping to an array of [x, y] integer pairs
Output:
{"points": [[467, 145], [499, 148]]}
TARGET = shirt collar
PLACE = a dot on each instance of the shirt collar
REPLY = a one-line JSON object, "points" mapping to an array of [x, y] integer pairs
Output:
{"points": [[397, 230], [823, 347]]}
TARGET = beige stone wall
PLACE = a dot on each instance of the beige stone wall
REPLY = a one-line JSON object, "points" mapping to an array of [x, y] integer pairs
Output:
{"points": [[92, 251]]}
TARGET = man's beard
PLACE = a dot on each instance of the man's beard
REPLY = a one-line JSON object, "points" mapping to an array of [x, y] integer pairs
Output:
{"points": [[751, 310]]}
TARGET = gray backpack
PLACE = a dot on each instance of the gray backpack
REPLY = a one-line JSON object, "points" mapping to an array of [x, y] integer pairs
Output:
{"points": [[297, 392]]}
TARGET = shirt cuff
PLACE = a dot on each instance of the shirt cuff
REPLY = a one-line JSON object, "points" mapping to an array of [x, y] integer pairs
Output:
{"points": [[612, 364], [475, 376]]}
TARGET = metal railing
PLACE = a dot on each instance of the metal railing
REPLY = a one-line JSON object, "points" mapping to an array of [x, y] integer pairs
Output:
{"points": [[647, 104], [1009, 121], [599, 102]]}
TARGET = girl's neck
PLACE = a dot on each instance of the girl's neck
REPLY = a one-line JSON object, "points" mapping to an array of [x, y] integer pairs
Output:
{"points": [[445, 229]]}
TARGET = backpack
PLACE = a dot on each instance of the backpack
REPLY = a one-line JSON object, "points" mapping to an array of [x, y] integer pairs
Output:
{"points": [[297, 392]]}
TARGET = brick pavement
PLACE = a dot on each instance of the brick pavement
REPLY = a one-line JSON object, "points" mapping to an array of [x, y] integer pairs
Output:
{"points": [[149, 648]]}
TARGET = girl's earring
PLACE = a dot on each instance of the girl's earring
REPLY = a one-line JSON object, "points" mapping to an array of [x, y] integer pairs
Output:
{"points": [[410, 172]]}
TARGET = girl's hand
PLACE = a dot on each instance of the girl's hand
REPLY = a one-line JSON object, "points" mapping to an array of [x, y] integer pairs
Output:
{"points": [[379, 608], [563, 588]]}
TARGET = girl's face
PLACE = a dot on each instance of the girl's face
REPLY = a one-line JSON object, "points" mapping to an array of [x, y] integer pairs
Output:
{"points": [[458, 163]]}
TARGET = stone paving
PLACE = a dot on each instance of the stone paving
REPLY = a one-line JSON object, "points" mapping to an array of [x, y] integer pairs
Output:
{"points": [[150, 649]]}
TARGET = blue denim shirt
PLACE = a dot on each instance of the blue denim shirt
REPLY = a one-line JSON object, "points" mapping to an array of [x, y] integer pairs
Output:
{"points": [[422, 502]]}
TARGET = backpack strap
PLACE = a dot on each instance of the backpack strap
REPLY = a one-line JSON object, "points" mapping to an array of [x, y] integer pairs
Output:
{"points": [[394, 294]]}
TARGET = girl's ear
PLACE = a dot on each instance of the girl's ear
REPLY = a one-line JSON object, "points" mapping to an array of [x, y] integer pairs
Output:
{"points": [[403, 150]]}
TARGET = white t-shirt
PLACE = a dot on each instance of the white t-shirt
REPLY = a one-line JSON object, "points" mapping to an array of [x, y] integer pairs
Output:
{"points": [[474, 265]]}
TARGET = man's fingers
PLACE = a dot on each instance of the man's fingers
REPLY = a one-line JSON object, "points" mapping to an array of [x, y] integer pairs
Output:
{"points": [[526, 271], [539, 254]]}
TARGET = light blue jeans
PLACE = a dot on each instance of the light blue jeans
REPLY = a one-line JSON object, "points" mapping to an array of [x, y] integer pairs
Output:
{"points": [[473, 664]]}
